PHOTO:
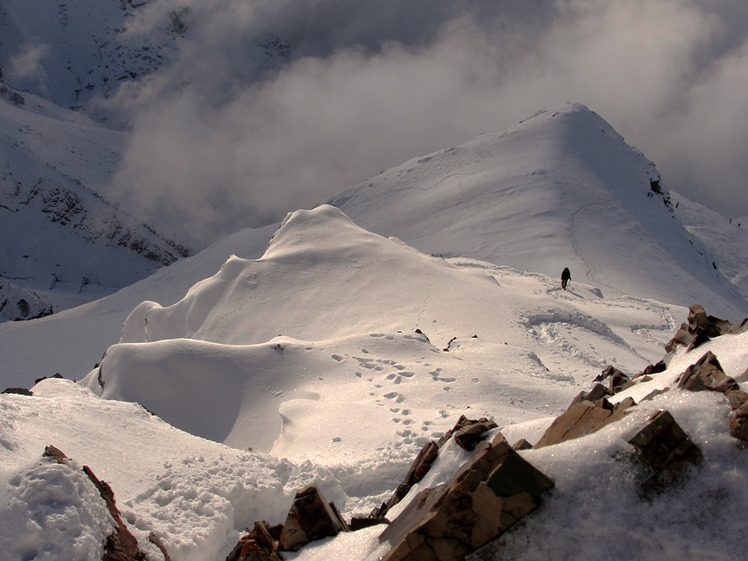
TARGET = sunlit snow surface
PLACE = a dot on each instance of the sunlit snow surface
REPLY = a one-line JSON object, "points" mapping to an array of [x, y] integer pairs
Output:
{"points": [[241, 376]]}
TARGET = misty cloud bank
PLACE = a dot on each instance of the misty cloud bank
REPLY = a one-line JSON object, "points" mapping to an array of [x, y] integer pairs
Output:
{"points": [[274, 105]]}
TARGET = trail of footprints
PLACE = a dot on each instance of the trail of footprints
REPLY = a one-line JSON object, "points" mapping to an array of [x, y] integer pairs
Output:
{"points": [[396, 374]]}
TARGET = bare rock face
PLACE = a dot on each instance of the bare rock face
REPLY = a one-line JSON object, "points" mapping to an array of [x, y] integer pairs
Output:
{"points": [[666, 449], [702, 327], [488, 495], [311, 518], [706, 374], [582, 418]]}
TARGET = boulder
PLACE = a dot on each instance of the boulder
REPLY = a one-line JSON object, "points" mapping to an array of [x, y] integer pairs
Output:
{"points": [[492, 491], [738, 400], [310, 518], [706, 374], [582, 418], [473, 432], [654, 368], [468, 432], [664, 447], [618, 380]]}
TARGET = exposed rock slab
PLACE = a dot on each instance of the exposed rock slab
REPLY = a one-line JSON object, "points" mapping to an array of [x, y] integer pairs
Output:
{"points": [[664, 446], [582, 418], [310, 518], [489, 494]]}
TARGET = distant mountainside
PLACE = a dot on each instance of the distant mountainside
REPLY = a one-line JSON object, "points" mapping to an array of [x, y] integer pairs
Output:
{"points": [[81, 44], [63, 243], [562, 188]]}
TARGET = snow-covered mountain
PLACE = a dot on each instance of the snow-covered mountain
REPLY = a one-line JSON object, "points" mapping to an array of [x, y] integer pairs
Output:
{"points": [[562, 188], [73, 51], [333, 358], [63, 242]]}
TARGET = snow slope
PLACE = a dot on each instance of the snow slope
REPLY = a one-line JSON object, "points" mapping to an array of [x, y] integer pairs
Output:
{"points": [[560, 189], [61, 238], [310, 355]]}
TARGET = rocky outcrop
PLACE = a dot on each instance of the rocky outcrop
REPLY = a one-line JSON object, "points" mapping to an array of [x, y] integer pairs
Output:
{"points": [[487, 496], [581, 418], [617, 380], [418, 469], [706, 374], [666, 449], [467, 433], [701, 327], [311, 518], [258, 545]]}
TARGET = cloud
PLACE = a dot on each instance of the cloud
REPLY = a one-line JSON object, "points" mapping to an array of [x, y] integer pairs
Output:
{"points": [[27, 69], [275, 105]]}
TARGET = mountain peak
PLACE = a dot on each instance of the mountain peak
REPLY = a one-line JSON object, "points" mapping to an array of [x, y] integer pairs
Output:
{"points": [[562, 188]]}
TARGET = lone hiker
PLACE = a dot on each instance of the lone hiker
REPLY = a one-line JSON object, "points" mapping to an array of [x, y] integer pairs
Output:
{"points": [[565, 277]]}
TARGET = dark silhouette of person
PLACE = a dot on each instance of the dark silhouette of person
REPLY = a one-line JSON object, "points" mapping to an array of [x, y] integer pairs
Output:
{"points": [[565, 277]]}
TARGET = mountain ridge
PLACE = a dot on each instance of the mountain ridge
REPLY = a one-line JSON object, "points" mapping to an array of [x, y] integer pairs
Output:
{"points": [[570, 177]]}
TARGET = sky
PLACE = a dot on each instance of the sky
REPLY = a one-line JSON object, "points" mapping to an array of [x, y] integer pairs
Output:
{"points": [[245, 136]]}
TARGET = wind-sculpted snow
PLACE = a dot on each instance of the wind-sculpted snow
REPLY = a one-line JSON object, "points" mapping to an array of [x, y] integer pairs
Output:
{"points": [[410, 339]]}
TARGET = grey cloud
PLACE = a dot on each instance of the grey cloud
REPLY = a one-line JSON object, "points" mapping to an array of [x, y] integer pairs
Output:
{"points": [[239, 131]]}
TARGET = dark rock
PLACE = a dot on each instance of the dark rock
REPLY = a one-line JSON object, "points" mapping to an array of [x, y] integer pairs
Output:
{"points": [[654, 393], [597, 392], [361, 522], [521, 444], [739, 423], [19, 391], [471, 434], [57, 376], [311, 518], [666, 449], [706, 374], [489, 494], [655, 368], [738, 400], [155, 540], [463, 425], [702, 327], [54, 452], [582, 418]]}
